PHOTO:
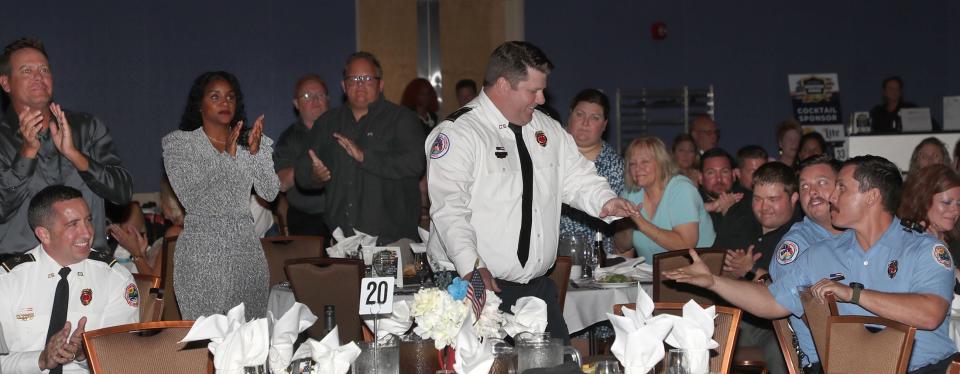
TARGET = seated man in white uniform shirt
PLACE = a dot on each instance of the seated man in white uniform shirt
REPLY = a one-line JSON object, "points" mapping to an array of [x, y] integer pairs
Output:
{"points": [[498, 171], [58, 285]]}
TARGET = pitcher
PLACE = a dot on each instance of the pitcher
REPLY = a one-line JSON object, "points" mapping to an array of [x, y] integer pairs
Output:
{"points": [[540, 350]]}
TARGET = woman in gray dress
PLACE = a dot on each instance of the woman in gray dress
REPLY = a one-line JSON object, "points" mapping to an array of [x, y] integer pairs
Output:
{"points": [[212, 162]]}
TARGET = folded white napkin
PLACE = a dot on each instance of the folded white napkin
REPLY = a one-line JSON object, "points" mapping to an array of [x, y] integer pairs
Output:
{"points": [[472, 355], [328, 355], [284, 333], [694, 331], [529, 315], [345, 245], [634, 267], [397, 323], [233, 342], [639, 336]]}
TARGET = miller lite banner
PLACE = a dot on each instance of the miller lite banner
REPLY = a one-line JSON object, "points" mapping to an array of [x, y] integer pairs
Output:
{"points": [[816, 98]]}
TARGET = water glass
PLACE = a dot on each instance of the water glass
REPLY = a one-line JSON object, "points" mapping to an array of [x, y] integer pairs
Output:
{"points": [[382, 359], [504, 359], [418, 355], [422, 266], [688, 361], [540, 350], [607, 367]]}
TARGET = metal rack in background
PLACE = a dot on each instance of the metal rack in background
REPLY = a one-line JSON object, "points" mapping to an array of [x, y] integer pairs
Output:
{"points": [[636, 110]]}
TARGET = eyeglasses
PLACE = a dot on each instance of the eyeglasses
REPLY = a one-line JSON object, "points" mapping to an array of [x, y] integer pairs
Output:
{"points": [[359, 79], [313, 96]]}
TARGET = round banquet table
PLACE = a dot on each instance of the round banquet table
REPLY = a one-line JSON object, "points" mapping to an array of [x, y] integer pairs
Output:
{"points": [[582, 308]]}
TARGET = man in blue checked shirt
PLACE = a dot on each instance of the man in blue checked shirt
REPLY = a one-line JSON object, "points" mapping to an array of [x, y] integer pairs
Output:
{"points": [[888, 270]]}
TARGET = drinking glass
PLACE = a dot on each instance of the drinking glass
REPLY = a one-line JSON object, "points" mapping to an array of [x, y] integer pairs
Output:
{"points": [[381, 359], [540, 350], [504, 359], [422, 267], [688, 361], [417, 355], [607, 367], [588, 258]]}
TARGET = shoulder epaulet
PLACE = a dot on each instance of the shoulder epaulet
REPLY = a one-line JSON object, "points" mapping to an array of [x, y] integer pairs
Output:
{"points": [[102, 257], [12, 262], [456, 114]]}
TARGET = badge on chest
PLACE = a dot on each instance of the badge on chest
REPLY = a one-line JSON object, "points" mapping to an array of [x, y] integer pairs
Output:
{"points": [[86, 296]]}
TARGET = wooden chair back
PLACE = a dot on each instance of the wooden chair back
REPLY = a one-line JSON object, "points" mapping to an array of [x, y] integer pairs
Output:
{"points": [[816, 316], [665, 290], [785, 338], [145, 282], [279, 249], [853, 348], [954, 367], [725, 330], [171, 310], [146, 348], [561, 277], [318, 282]]}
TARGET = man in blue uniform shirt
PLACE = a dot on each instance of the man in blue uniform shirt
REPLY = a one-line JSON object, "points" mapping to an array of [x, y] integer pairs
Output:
{"points": [[818, 178], [888, 271]]}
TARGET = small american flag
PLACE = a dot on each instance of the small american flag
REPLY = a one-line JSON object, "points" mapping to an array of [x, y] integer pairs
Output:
{"points": [[476, 292]]}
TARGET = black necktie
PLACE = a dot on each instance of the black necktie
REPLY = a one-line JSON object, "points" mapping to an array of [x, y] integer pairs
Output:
{"points": [[526, 169], [58, 317]]}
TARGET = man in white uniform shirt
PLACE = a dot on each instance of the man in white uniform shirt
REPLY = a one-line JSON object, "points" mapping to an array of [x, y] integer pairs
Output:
{"points": [[498, 171], [59, 285]]}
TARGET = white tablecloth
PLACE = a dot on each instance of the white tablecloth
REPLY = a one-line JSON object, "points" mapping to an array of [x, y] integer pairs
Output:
{"points": [[583, 306], [586, 306]]}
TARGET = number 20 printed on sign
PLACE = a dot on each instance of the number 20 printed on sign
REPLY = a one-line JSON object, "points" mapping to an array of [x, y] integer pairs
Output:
{"points": [[376, 295]]}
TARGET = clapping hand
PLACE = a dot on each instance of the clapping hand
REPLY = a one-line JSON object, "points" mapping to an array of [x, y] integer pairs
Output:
{"points": [[61, 132], [348, 145], [232, 138], [128, 237], [723, 202], [253, 138], [739, 262], [64, 347], [320, 171], [31, 122]]}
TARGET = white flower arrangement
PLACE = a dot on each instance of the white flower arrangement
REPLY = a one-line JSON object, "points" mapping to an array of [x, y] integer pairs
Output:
{"points": [[438, 316], [491, 319]]}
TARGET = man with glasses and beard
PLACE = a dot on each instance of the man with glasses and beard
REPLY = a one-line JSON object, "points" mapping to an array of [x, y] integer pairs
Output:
{"points": [[366, 156]]}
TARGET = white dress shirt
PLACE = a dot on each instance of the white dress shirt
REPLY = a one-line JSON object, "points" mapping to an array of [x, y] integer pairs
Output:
{"points": [[475, 195], [108, 290]]}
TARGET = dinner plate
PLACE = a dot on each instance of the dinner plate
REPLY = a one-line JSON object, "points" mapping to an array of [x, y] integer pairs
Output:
{"points": [[615, 285]]}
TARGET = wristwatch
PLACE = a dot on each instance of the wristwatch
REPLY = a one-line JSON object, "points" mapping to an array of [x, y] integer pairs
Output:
{"points": [[855, 297]]}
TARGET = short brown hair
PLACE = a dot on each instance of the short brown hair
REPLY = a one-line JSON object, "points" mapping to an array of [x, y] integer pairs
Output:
{"points": [[17, 45], [511, 59], [776, 172]]}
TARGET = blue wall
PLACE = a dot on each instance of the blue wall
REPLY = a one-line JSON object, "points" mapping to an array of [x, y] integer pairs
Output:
{"points": [[747, 49], [131, 63]]}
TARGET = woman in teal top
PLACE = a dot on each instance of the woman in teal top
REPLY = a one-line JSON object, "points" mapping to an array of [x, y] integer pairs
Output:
{"points": [[672, 216]]}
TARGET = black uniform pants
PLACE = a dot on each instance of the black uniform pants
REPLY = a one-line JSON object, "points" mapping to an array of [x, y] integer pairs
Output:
{"points": [[543, 288]]}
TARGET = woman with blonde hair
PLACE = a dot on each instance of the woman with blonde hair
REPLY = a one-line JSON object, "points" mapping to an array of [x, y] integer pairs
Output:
{"points": [[672, 215]]}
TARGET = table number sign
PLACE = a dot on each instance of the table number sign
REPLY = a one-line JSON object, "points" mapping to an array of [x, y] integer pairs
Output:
{"points": [[376, 295]]}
